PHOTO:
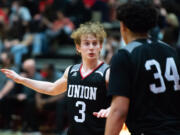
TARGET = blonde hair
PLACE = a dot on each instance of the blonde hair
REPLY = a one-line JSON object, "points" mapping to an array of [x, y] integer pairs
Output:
{"points": [[94, 28]]}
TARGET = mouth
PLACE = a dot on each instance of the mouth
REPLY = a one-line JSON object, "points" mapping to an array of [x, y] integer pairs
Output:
{"points": [[91, 54]]}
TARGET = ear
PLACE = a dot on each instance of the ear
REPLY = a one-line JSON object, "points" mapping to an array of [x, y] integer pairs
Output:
{"points": [[78, 48], [124, 31], [123, 27]]}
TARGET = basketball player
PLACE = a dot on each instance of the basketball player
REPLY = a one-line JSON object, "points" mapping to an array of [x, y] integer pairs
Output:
{"points": [[85, 83], [144, 79]]}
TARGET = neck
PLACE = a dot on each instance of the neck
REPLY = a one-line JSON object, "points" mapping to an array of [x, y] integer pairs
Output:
{"points": [[89, 65], [135, 36]]}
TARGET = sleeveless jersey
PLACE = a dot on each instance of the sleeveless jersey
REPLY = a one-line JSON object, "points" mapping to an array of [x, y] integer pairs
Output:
{"points": [[86, 95], [147, 72]]}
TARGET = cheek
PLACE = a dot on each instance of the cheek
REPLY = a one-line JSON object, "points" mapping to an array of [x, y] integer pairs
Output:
{"points": [[99, 47]]}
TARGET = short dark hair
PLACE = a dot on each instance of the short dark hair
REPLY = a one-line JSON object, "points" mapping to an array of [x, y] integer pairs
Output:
{"points": [[139, 17]]}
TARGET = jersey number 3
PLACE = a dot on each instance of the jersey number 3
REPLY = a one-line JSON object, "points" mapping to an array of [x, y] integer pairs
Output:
{"points": [[171, 74], [82, 105]]}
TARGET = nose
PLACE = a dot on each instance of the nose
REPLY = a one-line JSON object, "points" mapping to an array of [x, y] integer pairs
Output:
{"points": [[91, 46]]}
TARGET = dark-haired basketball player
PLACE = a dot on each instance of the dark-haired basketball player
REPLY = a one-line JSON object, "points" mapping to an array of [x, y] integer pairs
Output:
{"points": [[144, 79]]}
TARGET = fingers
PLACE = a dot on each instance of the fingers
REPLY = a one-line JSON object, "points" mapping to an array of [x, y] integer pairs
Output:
{"points": [[5, 71], [103, 113], [95, 113]]}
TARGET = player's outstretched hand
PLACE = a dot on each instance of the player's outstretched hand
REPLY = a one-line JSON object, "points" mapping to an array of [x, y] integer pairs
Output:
{"points": [[103, 113], [12, 75]]}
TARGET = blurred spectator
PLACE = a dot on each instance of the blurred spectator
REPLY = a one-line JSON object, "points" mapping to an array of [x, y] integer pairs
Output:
{"points": [[157, 33], [61, 23], [77, 12], [5, 2], [30, 121], [47, 104], [172, 30], [32, 5], [4, 14], [6, 87], [111, 46], [17, 10], [19, 40], [113, 4], [50, 74], [3, 25], [2, 35], [102, 8], [44, 3], [59, 4], [59, 29]]}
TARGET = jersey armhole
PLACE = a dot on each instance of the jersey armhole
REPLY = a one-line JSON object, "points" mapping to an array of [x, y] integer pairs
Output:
{"points": [[104, 77], [70, 67]]}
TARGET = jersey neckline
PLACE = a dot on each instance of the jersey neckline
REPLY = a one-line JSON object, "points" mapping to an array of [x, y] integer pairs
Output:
{"points": [[83, 77]]}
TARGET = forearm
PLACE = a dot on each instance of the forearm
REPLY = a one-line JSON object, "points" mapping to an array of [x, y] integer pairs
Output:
{"points": [[44, 87], [117, 115], [39, 86], [114, 123]]}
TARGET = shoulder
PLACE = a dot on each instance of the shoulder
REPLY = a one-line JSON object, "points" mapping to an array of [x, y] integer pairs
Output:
{"points": [[121, 56], [103, 67], [163, 44], [132, 46], [74, 68], [70, 69]]}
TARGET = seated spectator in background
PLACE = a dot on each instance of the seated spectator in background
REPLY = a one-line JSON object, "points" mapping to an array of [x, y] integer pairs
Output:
{"points": [[112, 44], [48, 104], [44, 3], [4, 14], [3, 24], [2, 33], [172, 30], [83, 14], [30, 122], [61, 27], [19, 39], [102, 8], [6, 86], [18, 10]]}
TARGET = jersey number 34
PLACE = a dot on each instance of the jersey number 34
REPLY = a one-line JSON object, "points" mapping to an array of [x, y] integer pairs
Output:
{"points": [[171, 74]]}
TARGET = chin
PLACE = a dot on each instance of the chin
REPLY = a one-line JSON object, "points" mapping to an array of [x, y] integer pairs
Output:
{"points": [[92, 58]]}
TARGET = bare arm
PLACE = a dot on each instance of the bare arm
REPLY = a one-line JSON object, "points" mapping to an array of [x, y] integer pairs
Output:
{"points": [[6, 89], [44, 87], [107, 77], [117, 115]]}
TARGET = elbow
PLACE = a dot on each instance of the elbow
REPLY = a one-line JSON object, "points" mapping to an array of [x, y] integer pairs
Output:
{"points": [[119, 114], [53, 91]]}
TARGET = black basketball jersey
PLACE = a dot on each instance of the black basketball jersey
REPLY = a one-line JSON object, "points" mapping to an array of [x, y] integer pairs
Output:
{"points": [[147, 72], [86, 95]]}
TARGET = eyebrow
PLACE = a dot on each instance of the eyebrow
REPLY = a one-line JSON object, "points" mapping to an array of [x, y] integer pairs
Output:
{"points": [[89, 40]]}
